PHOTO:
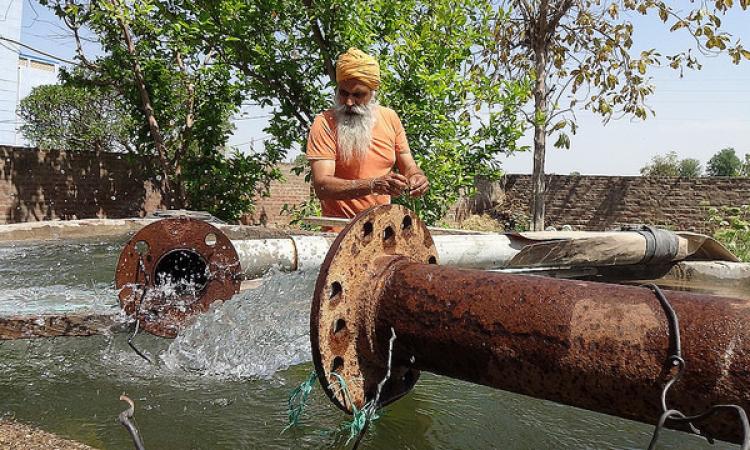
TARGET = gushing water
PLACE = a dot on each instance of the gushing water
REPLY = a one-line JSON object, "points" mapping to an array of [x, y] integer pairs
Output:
{"points": [[253, 335], [58, 277]]}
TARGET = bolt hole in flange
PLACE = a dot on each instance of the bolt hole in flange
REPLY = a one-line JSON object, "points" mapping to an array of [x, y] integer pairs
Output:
{"points": [[210, 239], [367, 230], [388, 235], [339, 326], [406, 223], [432, 260], [335, 291], [141, 247], [337, 364]]}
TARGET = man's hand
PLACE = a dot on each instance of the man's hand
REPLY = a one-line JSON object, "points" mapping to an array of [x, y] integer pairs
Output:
{"points": [[390, 184], [418, 185]]}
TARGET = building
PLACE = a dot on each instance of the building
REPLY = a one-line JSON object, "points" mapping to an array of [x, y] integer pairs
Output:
{"points": [[19, 72]]}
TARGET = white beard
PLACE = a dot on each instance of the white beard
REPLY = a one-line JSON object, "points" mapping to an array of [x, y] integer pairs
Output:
{"points": [[354, 128]]}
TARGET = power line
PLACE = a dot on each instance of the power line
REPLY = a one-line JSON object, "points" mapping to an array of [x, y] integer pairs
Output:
{"points": [[49, 55], [265, 116]]}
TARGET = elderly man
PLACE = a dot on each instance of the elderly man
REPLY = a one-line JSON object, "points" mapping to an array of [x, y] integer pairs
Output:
{"points": [[353, 146]]}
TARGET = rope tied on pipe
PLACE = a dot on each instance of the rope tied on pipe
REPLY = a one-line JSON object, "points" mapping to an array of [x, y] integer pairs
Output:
{"points": [[361, 418], [675, 359]]}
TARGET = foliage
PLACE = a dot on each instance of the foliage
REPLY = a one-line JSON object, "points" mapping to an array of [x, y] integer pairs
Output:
{"points": [[285, 53], [581, 54], [746, 166], [439, 89], [670, 165], [733, 229], [180, 95], [76, 118], [309, 208], [725, 163], [690, 168], [217, 183]]}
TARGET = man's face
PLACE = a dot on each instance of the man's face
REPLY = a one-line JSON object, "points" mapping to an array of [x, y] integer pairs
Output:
{"points": [[353, 93]]}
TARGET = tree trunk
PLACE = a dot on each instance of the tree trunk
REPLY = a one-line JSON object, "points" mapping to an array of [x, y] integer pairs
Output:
{"points": [[148, 111], [540, 125]]}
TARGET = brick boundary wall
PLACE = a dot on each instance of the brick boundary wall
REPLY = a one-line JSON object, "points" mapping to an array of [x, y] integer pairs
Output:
{"points": [[40, 185], [46, 185], [605, 202], [292, 191], [43, 185]]}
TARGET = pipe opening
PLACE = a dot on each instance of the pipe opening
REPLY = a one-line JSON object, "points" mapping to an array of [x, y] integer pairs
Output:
{"points": [[335, 291], [388, 233], [338, 326], [406, 223], [367, 230], [210, 239], [337, 364], [183, 270]]}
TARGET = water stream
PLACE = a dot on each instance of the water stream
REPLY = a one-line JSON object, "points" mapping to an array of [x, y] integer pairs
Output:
{"points": [[223, 384]]}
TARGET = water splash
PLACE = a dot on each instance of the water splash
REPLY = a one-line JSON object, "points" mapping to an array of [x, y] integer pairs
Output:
{"points": [[62, 276], [253, 335]]}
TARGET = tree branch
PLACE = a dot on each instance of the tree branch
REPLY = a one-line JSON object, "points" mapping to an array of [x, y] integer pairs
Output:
{"points": [[148, 110], [321, 41]]}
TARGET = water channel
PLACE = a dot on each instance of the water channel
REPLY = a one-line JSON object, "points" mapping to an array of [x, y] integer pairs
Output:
{"points": [[224, 382]]}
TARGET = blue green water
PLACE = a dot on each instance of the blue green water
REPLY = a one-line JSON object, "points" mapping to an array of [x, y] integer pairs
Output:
{"points": [[224, 383]]}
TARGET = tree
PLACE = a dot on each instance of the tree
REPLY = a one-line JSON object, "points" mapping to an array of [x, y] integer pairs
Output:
{"points": [[580, 53], [670, 165], [76, 118], [746, 166], [457, 117], [725, 163], [662, 166], [181, 96], [690, 168]]}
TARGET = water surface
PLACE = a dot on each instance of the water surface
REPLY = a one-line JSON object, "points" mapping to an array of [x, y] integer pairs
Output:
{"points": [[223, 384]]}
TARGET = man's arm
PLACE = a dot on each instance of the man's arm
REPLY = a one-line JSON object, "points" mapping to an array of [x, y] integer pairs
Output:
{"points": [[329, 187], [418, 183]]}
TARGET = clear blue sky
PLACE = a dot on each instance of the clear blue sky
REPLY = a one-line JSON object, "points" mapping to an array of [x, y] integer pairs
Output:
{"points": [[696, 116]]}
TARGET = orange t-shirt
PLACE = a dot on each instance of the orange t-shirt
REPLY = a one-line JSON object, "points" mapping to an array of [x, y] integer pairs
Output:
{"points": [[388, 140]]}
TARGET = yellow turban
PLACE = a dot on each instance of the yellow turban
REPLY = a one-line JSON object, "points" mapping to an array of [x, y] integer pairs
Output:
{"points": [[358, 65]]}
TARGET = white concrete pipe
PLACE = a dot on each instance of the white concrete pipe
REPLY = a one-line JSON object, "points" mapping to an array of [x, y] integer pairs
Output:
{"points": [[478, 251]]}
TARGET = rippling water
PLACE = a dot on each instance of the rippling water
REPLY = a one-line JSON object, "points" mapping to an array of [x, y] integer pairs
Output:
{"points": [[58, 276], [223, 384]]}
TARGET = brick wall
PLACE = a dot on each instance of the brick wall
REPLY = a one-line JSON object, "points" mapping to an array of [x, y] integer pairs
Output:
{"points": [[44, 185], [601, 202], [39, 185], [292, 190]]}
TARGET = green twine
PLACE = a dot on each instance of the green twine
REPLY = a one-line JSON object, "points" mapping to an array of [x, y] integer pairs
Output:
{"points": [[360, 417], [298, 399]]}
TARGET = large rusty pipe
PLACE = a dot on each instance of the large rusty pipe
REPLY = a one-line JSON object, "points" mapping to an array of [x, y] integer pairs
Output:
{"points": [[592, 345]]}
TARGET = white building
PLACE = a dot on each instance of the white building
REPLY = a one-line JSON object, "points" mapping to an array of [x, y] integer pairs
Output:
{"points": [[19, 72]]}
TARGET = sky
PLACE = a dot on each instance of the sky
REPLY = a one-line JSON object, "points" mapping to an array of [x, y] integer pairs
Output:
{"points": [[696, 115]]}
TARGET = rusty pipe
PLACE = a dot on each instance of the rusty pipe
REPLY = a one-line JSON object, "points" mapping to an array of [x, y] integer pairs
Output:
{"points": [[596, 346], [174, 269]]}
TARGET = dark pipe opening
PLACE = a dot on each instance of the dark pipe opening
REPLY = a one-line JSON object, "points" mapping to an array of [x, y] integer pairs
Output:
{"points": [[184, 269]]}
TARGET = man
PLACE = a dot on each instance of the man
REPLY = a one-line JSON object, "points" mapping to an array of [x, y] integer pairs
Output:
{"points": [[353, 146]]}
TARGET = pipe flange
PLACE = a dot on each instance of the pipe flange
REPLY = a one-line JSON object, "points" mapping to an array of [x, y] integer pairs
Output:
{"points": [[174, 269], [342, 317]]}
